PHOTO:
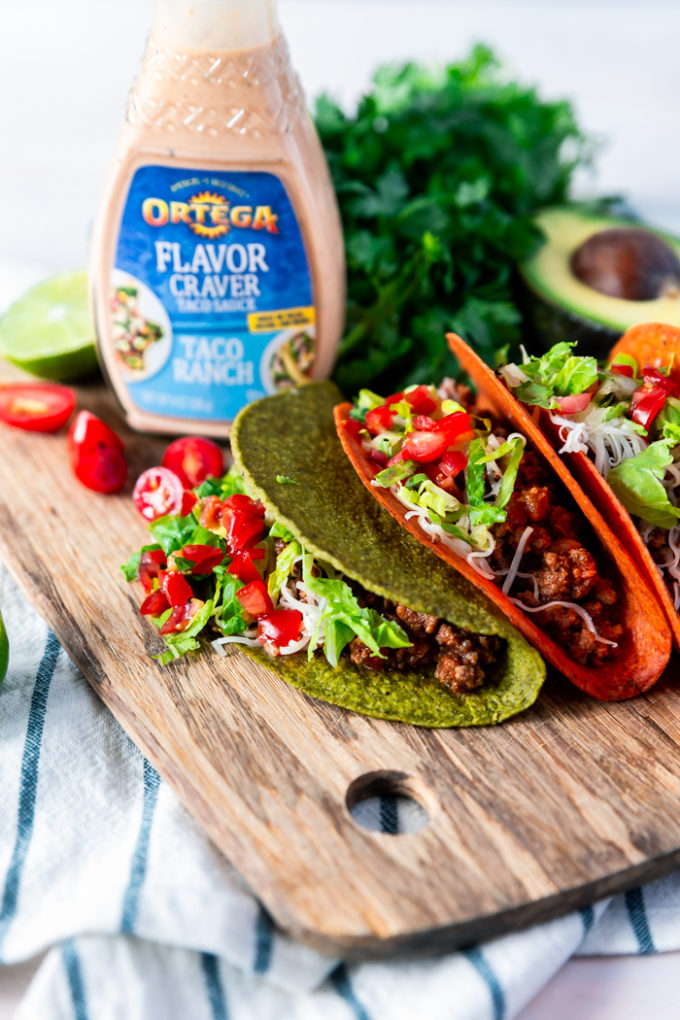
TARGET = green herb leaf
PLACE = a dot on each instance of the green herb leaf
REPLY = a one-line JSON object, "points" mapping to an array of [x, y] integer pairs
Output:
{"points": [[285, 480], [437, 176]]}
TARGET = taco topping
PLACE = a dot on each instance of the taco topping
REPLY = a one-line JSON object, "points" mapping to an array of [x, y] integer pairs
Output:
{"points": [[486, 495], [226, 572], [628, 425]]}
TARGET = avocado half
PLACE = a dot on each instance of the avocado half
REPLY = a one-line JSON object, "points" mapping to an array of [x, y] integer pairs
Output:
{"points": [[559, 306]]}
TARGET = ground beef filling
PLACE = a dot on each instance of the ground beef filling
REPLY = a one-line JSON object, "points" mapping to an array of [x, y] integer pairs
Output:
{"points": [[559, 566], [461, 659]]}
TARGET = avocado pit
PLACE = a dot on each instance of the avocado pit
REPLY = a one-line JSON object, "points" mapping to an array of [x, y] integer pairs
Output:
{"points": [[628, 263]]}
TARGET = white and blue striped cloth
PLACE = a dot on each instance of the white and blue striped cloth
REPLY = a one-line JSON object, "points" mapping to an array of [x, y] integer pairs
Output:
{"points": [[144, 920]]}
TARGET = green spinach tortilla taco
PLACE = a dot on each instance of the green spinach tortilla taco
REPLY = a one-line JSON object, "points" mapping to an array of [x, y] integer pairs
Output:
{"points": [[290, 560]]}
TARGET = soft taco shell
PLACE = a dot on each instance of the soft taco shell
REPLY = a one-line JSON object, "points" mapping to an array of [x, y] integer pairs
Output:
{"points": [[318, 496], [646, 646]]}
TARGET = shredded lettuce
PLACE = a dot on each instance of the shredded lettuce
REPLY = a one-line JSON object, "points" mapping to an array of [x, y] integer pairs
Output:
{"points": [[638, 484], [344, 618], [397, 473], [186, 640], [284, 565], [559, 373]]}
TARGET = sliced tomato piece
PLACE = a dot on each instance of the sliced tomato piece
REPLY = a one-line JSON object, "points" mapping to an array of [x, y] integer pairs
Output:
{"points": [[154, 604], [423, 423], [203, 557], [243, 567], [421, 400], [278, 628], [189, 501], [157, 492], [573, 403], [452, 463], [379, 420], [193, 459], [36, 407], [395, 398], [243, 519], [97, 454], [424, 446], [150, 566], [175, 587], [254, 598], [181, 617], [210, 515]]}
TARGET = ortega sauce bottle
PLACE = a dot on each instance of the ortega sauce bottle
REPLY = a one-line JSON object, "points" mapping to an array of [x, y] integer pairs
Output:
{"points": [[218, 264]]}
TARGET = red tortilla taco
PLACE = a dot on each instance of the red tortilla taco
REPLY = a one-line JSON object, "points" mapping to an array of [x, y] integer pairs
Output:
{"points": [[479, 484], [618, 430]]}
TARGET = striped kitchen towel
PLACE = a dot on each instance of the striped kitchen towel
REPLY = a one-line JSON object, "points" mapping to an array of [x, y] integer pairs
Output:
{"points": [[144, 920]]}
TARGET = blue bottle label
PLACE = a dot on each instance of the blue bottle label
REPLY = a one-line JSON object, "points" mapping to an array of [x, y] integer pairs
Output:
{"points": [[211, 299]]}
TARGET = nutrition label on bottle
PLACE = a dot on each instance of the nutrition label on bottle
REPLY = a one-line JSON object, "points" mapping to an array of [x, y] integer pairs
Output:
{"points": [[210, 299]]}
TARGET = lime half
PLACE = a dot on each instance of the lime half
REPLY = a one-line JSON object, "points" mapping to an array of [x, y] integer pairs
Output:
{"points": [[4, 650], [49, 331]]}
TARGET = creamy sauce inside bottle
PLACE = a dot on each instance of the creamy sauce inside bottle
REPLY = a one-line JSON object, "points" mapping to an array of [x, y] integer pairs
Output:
{"points": [[218, 265]]}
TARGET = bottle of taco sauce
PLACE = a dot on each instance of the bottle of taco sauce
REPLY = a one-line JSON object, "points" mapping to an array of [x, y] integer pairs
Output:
{"points": [[218, 265]]}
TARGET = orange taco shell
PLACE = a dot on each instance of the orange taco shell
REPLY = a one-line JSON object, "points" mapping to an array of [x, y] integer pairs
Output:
{"points": [[646, 644]]}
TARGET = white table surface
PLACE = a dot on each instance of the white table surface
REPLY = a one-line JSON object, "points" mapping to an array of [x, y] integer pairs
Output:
{"points": [[65, 69]]}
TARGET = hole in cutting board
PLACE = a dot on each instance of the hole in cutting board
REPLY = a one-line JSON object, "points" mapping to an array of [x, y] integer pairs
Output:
{"points": [[388, 802]]}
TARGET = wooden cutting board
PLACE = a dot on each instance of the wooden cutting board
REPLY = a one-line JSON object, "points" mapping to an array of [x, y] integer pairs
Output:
{"points": [[571, 801]]}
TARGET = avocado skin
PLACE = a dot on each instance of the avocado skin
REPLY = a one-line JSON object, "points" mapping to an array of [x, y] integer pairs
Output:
{"points": [[557, 306], [547, 323]]}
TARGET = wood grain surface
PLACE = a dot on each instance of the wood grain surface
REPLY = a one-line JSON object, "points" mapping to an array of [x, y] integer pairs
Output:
{"points": [[571, 801]]}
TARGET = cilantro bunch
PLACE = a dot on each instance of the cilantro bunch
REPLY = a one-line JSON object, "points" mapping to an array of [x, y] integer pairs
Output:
{"points": [[437, 176]]}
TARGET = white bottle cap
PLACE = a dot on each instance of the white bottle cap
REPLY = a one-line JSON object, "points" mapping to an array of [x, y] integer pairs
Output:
{"points": [[214, 25]]}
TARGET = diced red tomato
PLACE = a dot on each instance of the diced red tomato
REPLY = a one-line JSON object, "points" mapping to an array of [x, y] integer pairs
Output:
{"points": [[622, 370], [189, 501], [424, 446], [210, 516], [573, 403], [421, 400], [203, 557], [194, 459], [243, 567], [423, 423], [175, 587], [397, 459], [36, 407], [649, 398], [254, 598], [154, 604], [377, 455], [395, 398], [646, 404], [97, 454], [150, 566], [157, 492], [452, 463], [181, 617], [379, 420], [278, 628], [352, 427], [243, 519]]}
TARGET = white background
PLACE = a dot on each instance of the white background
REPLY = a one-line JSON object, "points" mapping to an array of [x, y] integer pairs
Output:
{"points": [[66, 66]]}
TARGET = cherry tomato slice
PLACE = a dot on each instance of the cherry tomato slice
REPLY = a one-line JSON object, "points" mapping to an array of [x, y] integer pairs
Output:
{"points": [[203, 557], [254, 598], [379, 420], [421, 400], [154, 604], [278, 628], [158, 492], [97, 454], [193, 460], [175, 587], [36, 407], [573, 403], [150, 566], [181, 617], [243, 567]]}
